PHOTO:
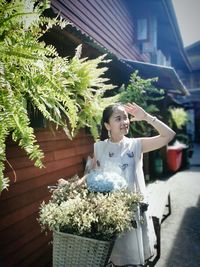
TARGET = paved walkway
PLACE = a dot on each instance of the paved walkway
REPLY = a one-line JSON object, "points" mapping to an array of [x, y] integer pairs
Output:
{"points": [[180, 235]]}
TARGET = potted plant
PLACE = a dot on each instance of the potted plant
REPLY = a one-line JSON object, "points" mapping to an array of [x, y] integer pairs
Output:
{"points": [[85, 222], [177, 120]]}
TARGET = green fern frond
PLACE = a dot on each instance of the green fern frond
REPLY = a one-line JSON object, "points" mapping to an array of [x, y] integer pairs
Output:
{"points": [[67, 92], [4, 181]]}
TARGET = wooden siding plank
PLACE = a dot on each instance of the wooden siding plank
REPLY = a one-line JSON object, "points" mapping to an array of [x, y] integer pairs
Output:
{"points": [[19, 243], [16, 231], [26, 251], [48, 146], [51, 145], [121, 11], [100, 23], [31, 172], [58, 134], [127, 23], [42, 257], [92, 24], [11, 205], [24, 162], [116, 17], [88, 18], [127, 33], [112, 47], [21, 214], [66, 153], [19, 188]]}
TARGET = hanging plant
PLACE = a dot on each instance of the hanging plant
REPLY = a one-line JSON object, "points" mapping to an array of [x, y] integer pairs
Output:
{"points": [[66, 92]]}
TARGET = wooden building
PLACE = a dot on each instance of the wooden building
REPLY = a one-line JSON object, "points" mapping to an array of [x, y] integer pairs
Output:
{"points": [[136, 34], [192, 81]]}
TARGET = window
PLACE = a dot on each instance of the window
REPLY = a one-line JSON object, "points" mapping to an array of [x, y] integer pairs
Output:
{"points": [[142, 29]]}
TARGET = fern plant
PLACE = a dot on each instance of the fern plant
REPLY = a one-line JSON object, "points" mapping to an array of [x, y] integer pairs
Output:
{"points": [[67, 92]]}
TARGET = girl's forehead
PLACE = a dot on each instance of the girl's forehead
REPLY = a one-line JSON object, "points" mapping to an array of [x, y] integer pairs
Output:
{"points": [[119, 111]]}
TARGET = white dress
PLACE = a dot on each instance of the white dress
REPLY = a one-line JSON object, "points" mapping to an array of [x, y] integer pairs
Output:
{"points": [[134, 246]]}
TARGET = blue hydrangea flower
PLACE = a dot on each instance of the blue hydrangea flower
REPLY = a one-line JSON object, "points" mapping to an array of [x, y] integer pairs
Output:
{"points": [[98, 181]]}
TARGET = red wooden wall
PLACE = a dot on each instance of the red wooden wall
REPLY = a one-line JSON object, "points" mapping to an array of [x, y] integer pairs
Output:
{"points": [[21, 241]]}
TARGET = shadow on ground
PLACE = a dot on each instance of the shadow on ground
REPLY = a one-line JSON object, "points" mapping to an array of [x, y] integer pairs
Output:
{"points": [[185, 251]]}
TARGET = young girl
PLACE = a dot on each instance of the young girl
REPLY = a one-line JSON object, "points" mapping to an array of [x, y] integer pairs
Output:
{"points": [[115, 151]]}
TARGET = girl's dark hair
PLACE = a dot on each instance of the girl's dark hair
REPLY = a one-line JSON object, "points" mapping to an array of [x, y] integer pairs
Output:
{"points": [[107, 113]]}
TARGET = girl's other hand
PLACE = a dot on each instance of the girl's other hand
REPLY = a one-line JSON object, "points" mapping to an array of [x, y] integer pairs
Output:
{"points": [[62, 182]]}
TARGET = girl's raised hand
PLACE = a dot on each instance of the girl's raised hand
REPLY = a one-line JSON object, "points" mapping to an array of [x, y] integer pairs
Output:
{"points": [[136, 111]]}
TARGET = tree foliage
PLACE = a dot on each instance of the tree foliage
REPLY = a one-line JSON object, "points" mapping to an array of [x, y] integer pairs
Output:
{"points": [[144, 93], [66, 92]]}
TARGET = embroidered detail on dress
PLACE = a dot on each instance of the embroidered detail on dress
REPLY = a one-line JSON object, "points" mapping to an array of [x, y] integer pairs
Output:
{"points": [[130, 154], [124, 166], [111, 154]]}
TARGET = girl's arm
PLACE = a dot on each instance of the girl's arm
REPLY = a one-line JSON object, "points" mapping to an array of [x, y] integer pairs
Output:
{"points": [[166, 134], [79, 182]]}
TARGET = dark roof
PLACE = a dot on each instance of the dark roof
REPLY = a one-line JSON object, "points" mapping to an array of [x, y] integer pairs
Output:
{"points": [[193, 52], [194, 97], [167, 76]]}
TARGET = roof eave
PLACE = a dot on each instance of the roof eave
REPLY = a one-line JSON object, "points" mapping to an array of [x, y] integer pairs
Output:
{"points": [[168, 77], [174, 25]]}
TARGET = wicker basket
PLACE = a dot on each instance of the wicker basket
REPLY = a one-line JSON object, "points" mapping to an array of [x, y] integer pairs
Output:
{"points": [[77, 251]]}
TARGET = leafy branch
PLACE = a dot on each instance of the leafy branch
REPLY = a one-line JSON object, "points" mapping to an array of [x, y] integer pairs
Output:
{"points": [[144, 93]]}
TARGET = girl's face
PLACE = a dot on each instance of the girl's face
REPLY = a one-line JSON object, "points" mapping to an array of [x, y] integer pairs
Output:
{"points": [[118, 124]]}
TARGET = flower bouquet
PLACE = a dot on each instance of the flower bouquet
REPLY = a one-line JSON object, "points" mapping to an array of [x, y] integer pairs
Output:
{"points": [[87, 214]]}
